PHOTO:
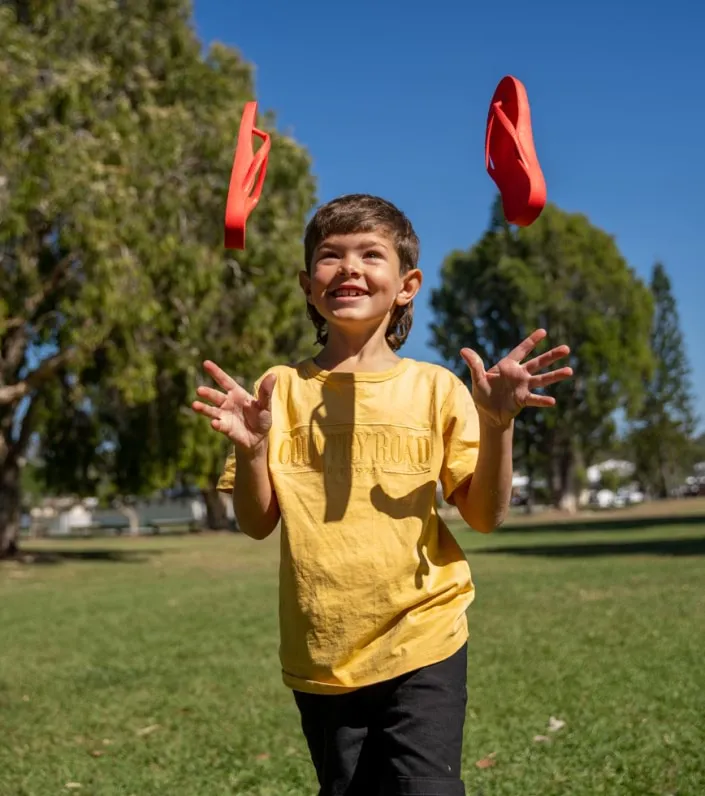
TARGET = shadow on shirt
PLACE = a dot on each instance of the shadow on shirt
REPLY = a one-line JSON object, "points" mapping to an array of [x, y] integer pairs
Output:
{"points": [[337, 411]]}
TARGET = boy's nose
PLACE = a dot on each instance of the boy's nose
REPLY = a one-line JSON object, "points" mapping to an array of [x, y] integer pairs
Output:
{"points": [[349, 265]]}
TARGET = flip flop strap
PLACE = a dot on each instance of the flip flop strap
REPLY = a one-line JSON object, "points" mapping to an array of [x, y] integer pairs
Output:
{"points": [[508, 126], [257, 160]]}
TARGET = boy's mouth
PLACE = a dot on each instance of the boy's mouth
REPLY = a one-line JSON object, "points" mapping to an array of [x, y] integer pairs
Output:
{"points": [[349, 292]]}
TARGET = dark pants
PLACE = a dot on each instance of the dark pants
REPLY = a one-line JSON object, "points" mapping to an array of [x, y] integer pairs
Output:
{"points": [[402, 737]]}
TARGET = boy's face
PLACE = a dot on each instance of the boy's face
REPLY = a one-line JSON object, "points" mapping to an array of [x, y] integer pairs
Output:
{"points": [[355, 282]]}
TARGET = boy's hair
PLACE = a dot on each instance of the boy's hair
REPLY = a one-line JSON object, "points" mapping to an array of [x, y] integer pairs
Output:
{"points": [[354, 213]]}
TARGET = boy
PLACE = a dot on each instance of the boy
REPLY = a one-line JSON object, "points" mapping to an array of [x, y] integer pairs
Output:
{"points": [[346, 449]]}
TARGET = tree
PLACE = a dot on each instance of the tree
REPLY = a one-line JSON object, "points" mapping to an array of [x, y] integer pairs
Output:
{"points": [[567, 276], [116, 144], [611, 480], [662, 435], [699, 448]]}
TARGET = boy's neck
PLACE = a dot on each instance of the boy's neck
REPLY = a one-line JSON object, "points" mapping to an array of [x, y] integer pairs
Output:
{"points": [[346, 354]]}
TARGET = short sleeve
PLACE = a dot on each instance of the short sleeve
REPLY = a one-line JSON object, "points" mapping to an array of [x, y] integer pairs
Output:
{"points": [[226, 482], [461, 438]]}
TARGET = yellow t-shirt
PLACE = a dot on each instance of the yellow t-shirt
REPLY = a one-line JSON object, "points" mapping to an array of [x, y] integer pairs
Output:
{"points": [[372, 583]]}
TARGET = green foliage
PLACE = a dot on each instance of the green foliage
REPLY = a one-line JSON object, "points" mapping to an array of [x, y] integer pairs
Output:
{"points": [[116, 144], [699, 448], [661, 438], [611, 479], [567, 276]]}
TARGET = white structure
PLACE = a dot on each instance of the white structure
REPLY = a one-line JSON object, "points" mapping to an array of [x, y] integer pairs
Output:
{"points": [[62, 516], [623, 469], [76, 517]]}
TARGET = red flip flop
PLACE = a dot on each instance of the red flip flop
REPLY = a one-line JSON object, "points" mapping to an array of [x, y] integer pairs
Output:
{"points": [[248, 166], [510, 157]]}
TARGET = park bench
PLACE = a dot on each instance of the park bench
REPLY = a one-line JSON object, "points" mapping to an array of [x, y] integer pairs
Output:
{"points": [[102, 529], [190, 524]]}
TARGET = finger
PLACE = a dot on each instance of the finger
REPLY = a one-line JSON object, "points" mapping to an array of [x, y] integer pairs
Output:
{"points": [[214, 396], [220, 376], [546, 359], [527, 346], [553, 377], [473, 361], [264, 394], [539, 400], [206, 410]]}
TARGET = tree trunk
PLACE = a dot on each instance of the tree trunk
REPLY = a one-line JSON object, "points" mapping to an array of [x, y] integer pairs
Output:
{"points": [[555, 479], [216, 515], [10, 508], [566, 497], [529, 508], [662, 477], [568, 501], [132, 517]]}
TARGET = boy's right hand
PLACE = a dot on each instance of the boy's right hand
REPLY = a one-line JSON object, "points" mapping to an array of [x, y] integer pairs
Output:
{"points": [[243, 419]]}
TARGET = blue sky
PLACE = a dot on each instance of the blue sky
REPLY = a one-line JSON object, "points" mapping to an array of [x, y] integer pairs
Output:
{"points": [[391, 98]]}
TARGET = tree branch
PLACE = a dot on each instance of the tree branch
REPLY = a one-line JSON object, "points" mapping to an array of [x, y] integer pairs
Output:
{"points": [[15, 392], [15, 348], [58, 273], [18, 446], [33, 303]]}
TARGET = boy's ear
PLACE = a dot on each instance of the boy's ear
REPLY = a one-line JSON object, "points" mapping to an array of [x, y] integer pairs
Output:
{"points": [[411, 284], [305, 282]]}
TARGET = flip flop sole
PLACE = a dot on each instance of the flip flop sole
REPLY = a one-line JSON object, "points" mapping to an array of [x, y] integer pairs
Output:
{"points": [[510, 155]]}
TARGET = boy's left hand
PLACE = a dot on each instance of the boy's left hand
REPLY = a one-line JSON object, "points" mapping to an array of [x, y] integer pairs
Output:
{"points": [[501, 392]]}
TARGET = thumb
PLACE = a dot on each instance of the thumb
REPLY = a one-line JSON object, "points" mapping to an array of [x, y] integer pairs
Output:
{"points": [[473, 361], [266, 388]]}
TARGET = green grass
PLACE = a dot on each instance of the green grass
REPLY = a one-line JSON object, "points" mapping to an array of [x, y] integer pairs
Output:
{"points": [[150, 666]]}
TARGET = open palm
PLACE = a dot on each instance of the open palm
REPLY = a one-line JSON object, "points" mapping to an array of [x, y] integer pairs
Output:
{"points": [[501, 392], [243, 419]]}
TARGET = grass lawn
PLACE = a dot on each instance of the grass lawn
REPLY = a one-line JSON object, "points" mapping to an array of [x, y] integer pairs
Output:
{"points": [[150, 666]]}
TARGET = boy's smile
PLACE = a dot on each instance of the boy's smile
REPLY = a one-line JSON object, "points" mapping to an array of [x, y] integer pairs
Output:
{"points": [[349, 292]]}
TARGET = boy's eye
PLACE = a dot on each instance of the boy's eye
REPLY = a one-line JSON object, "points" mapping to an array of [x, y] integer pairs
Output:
{"points": [[328, 255]]}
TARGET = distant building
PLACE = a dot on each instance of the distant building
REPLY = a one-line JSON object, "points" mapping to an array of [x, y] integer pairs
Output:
{"points": [[624, 469]]}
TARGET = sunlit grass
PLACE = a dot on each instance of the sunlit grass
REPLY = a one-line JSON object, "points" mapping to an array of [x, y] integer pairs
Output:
{"points": [[150, 666]]}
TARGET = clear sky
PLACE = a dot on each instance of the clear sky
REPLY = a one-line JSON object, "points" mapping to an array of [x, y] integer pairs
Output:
{"points": [[391, 98]]}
